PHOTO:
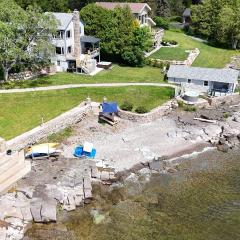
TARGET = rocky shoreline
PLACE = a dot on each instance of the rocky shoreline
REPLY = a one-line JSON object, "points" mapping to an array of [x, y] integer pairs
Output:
{"points": [[65, 183]]}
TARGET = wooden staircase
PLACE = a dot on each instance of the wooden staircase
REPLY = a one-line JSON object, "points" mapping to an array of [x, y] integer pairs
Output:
{"points": [[12, 168]]}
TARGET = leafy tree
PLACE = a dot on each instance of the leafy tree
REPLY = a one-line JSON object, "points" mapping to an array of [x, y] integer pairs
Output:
{"points": [[218, 21], [76, 4], [45, 5], [176, 7], [229, 26], [24, 36], [161, 22], [163, 8], [141, 42], [119, 33]]}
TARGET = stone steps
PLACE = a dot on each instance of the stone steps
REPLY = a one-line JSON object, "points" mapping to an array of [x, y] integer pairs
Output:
{"points": [[12, 168], [7, 163], [13, 175]]}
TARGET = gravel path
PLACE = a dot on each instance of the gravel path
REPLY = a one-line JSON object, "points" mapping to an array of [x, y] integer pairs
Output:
{"points": [[67, 86]]}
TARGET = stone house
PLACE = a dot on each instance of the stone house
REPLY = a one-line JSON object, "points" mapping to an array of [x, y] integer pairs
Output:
{"points": [[74, 51], [204, 80], [141, 12]]}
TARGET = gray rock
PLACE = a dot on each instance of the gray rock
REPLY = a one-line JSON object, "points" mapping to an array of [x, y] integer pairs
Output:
{"points": [[94, 172], [212, 130], [79, 181], [87, 193], [26, 213], [145, 171], [104, 176], [78, 190], [36, 212], [69, 207], [48, 212], [3, 233], [223, 147], [157, 165], [14, 212], [78, 200], [172, 170], [71, 201], [87, 183], [28, 192]]}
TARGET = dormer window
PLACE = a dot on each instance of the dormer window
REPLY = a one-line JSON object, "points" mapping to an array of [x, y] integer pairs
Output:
{"points": [[68, 34]]}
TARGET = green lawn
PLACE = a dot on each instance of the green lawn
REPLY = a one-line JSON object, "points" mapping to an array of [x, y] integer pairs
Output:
{"points": [[116, 75], [23, 111], [209, 56], [167, 53]]}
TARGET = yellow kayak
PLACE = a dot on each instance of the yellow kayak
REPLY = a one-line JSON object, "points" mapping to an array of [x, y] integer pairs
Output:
{"points": [[40, 147]]}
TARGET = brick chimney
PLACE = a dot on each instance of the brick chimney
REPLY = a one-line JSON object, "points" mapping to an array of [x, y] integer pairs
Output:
{"points": [[77, 44]]}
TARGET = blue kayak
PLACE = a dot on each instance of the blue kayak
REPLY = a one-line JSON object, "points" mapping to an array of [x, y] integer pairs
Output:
{"points": [[78, 152]]}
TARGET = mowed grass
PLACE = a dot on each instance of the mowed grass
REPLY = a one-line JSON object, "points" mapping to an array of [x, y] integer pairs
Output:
{"points": [[118, 74], [209, 56], [166, 53], [21, 112]]}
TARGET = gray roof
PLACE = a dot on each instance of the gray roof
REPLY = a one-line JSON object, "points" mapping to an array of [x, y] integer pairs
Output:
{"points": [[187, 12], [63, 20], [204, 74], [89, 39]]}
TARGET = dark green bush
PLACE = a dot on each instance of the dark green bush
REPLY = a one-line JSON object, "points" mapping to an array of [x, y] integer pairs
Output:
{"points": [[127, 106], [161, 22], [166, 41], [176, 19], [141, 109]]}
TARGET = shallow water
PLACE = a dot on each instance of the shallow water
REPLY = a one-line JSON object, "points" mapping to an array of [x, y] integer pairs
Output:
{"points": [[200, 201]]}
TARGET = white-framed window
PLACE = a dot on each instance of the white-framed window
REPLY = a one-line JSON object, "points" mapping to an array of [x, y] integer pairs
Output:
{"points": [[59, 50], [69, 49], [58, 63], [205, 83], [59, 34], [189, 80], [68, 34]]}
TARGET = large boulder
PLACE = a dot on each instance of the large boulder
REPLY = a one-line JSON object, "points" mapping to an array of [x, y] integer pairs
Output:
{"points": [[48, 212]]}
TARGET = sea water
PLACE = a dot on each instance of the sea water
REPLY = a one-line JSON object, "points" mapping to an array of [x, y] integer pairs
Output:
{"points": [[200, 201]]}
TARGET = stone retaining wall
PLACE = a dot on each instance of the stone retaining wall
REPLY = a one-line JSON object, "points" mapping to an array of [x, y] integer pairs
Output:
{"points": [[31, 74], [66, 119], [193, 54], [147, 117]]}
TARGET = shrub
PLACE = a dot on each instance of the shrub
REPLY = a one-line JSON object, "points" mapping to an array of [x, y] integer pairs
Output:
{"points": [[141, 109], [176, 19], [180, 103], [166, 42], [161, 22], [188, 108], [226, 115], [173, 42], [185, 107], [127, 106]]}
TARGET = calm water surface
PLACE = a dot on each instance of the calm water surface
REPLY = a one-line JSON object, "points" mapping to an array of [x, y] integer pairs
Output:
{"points": [[201, 201]]}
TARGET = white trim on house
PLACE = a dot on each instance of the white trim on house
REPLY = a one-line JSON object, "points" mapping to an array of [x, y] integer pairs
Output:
{"points": [[82, 52], [204, 79]]}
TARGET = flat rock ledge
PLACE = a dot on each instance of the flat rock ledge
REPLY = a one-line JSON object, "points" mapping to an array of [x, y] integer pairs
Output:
{"points": [[63, 185]]}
